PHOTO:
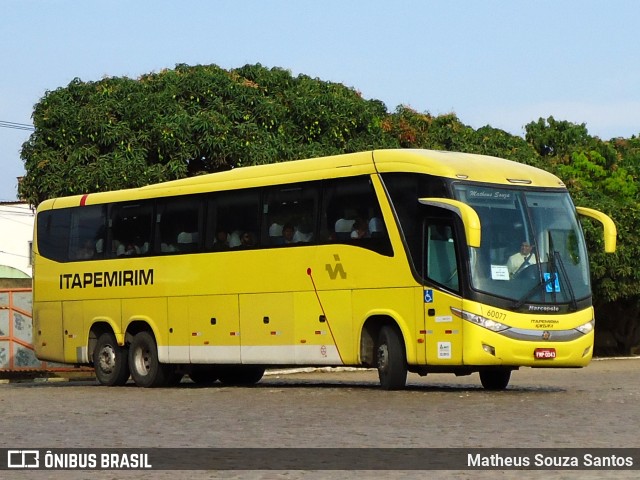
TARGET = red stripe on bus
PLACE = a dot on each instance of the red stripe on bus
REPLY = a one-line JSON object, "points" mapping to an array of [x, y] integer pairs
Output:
{"points": [[83, 200]]}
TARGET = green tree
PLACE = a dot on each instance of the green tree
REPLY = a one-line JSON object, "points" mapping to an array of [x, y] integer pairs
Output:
{"points": [[119, 132], [552, 138], [411, 129]]}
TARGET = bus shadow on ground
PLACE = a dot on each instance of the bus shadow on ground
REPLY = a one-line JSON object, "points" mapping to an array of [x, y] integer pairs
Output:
{"points": [[439, 387], [308, 384]]}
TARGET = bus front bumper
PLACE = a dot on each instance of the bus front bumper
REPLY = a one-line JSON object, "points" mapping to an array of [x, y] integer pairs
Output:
{"points": [[516, 348]]}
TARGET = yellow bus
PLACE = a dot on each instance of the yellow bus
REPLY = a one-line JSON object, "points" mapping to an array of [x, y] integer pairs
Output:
{"points": [[401, 260]]}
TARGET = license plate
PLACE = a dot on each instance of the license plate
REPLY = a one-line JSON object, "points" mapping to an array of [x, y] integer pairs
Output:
{"points": [[544, 353]]}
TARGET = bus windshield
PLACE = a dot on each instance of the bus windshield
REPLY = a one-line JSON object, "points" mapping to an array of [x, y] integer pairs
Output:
{"points": [[532, 247]]}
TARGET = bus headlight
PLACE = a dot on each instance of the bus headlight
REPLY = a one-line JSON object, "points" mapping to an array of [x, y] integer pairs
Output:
{"points": [[586, 328], [480, 320]]}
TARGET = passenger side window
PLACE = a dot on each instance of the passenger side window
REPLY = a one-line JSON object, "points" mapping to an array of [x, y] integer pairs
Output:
{"points": [[351, 214], [131, 227], [233, 219], [87, 233], [180, 224], [289, 214]]}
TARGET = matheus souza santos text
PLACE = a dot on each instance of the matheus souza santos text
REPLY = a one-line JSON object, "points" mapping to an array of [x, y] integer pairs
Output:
{"points": [[540, 460]]}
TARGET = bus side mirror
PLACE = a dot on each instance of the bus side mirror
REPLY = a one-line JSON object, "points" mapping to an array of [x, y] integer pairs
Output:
{"points": [[610, 231], [469, 217]]}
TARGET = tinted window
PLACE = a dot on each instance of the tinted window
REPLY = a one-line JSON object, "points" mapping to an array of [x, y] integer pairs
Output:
{"points": [[87, 235], [72, 233], [290, 214], [351, 214], [234, 216], [405, 189], [131, 228], [180, 224], [53, 234]]}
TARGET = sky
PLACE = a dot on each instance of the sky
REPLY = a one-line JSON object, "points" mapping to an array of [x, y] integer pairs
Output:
{"points": [[503, 63]]}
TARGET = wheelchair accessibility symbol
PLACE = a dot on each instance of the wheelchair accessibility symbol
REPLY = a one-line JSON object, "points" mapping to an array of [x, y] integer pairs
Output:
{"points": [[428, 296]]}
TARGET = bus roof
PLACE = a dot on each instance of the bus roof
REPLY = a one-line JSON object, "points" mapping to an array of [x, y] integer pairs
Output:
{"points": [[455, 165], [466, 166]]}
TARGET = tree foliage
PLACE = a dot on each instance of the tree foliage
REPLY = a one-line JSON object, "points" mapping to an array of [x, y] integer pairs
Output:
{"points": [[121, 132]]}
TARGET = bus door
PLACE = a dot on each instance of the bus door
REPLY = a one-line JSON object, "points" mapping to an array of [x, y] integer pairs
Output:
{"points": [[443, 330]]}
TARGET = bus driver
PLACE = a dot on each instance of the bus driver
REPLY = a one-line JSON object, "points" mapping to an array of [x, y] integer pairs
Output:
{"points": [[521, 260]]}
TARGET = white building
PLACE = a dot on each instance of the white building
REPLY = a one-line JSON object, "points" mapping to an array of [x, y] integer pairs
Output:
{"points": [[16, 236]]}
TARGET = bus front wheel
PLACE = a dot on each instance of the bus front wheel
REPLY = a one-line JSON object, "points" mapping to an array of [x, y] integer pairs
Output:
{"points": [[390, 359], [146, 369], [495, 378], [110, 361]]}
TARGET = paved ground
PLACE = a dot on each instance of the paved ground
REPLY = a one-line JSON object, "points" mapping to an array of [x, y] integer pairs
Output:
{"points": [[598, 406]]}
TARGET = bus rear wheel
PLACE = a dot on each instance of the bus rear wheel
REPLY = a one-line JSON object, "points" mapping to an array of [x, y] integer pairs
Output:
{"points": [[390, 360], [110, 361], [495, 378], [146, 369]]}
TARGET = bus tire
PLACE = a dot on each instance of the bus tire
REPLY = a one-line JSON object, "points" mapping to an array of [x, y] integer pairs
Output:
{"points": [[146, 369], [495, 378], [241, 375], [390, 360], [203, 374], [110, 361]]}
